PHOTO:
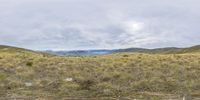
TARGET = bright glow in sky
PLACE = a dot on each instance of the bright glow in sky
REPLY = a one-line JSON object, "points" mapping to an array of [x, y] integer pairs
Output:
{"points": [[135, 26]]}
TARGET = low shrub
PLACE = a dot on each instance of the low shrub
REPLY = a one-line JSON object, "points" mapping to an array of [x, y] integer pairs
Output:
{"points": [[29, 63]]}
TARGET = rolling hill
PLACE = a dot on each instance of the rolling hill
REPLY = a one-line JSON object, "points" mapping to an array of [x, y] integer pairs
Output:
{"points": [[30, 74], [169, 50]]}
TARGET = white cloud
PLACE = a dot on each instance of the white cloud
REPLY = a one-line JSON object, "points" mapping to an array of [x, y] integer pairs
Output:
{"points": [[85, 24]]}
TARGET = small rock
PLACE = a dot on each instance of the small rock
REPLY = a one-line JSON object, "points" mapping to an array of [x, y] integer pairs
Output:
{"points": [[69, 79], [28, 84]]}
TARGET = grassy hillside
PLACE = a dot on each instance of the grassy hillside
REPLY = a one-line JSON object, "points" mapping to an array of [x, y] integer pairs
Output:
{"points": [[24, 73], [4, 48], [170, 50]]}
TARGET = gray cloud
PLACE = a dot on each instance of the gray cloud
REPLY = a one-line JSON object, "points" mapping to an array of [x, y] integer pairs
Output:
{"points": [[92, 24]]}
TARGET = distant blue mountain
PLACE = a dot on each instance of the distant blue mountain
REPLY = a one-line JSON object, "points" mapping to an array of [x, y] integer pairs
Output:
{"points": [[168, 50], [95, 52], [80, 52]]}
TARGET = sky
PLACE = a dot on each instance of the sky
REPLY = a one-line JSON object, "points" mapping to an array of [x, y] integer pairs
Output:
{"points": [[99, 24]]}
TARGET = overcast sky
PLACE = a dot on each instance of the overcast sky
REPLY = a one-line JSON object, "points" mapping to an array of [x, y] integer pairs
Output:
{"points": [[99, 24]]}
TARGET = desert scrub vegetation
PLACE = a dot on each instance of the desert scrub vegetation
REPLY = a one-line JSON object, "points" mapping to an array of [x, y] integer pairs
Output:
{"points": [[36, 74]]}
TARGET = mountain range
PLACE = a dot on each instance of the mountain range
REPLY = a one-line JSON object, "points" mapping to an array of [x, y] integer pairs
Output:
{"points": [[168, 50]]}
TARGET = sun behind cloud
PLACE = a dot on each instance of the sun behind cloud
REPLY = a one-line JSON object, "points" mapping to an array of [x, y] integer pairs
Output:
{"points": [[134, 26]]}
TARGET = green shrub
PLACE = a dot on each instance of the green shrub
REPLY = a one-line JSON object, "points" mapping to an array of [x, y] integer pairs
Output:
{"points": [[29, 63], [125, 55]]}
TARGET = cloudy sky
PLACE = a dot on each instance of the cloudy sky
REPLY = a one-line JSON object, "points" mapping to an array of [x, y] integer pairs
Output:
{"points": [[97, 24]]}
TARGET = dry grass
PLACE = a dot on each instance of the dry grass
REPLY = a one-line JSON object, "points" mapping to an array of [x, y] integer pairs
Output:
{"points": [[32, 74]]}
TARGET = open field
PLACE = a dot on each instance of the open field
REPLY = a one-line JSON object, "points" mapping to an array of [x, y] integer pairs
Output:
{"points": [[25, 73]]}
